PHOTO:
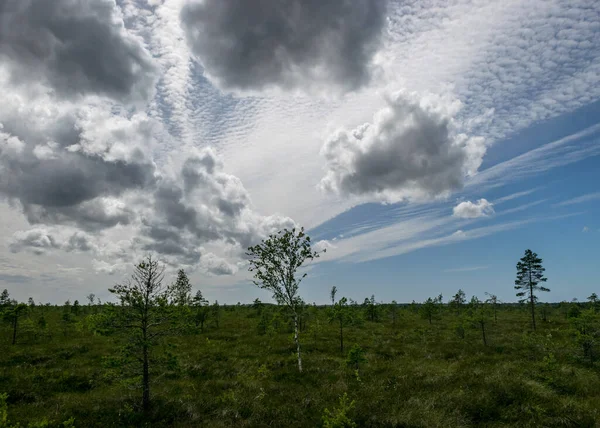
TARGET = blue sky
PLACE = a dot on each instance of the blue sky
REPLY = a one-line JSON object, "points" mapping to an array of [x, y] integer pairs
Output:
{"points": [[426, 146], [561, 203]]}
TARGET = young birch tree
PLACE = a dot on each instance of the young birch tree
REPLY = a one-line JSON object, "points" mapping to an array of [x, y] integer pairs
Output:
{"points": [[275, 262], [530, 273]]}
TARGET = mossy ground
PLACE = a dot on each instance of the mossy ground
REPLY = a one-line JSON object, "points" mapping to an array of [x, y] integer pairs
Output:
{"points": [[416, 374]]}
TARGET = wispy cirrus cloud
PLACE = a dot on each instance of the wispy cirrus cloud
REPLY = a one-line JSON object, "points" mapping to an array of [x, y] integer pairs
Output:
{"points": [[579, 199]]}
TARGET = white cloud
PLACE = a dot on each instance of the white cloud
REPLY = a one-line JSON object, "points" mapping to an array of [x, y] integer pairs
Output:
{"points": [[324, 245], [412, 150], [585, 229], [468, 209]]}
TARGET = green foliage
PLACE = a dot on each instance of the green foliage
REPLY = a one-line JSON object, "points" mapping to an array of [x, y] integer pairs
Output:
{"points": [[417, 375], [181, 290], [4, 299], [340, 314], [199, 310], [371, 309], [574, 311], [586, 327], [44, 423], [458, 301], [430, 309], [356, 356], [479, 314], [12, 312], [258, 306], [215, 312], [393, 309], [338, 418], [146, 315], [494, 302]]}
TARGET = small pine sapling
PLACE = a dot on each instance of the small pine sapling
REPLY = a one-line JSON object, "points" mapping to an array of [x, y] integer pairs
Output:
{"points": [[339, 313], [338, 418]]}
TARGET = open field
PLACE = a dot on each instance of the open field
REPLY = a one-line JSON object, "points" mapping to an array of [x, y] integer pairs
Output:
{"points": [[244, 372]]}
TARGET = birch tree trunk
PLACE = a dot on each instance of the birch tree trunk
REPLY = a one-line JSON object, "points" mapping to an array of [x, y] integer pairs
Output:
{"points": [[297, 340]]}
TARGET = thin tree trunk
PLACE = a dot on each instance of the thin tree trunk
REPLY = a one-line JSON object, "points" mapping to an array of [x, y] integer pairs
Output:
{"points": [[483, 332], [146, 382], [145, 368], [532, 310], [341, 336], [14, 338], [297, 340], [531, 298]]}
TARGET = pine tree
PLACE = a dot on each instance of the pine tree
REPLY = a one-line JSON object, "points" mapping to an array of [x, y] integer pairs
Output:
{"points": [[458, 301], [181, 289], [146, 315], [530, 273], [339, 313], [12, 311], [493, 300], [200, 305]]}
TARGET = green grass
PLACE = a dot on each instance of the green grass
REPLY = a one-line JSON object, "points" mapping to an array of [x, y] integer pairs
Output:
{"points": [[415, 375]]}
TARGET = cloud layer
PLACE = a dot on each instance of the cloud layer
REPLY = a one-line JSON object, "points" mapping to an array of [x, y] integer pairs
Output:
{"points": [[412, 150], [256, 44]]}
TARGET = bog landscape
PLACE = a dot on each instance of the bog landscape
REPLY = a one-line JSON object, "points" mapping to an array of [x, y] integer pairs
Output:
{"points": [[299, 213]]}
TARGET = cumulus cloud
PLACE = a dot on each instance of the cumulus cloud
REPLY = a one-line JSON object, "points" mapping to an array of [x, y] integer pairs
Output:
{"points": [[215, 265], [468, 209], [255, 44], [201, 204], [77, 47], [175, 216], [412, 150], [72, 166]]}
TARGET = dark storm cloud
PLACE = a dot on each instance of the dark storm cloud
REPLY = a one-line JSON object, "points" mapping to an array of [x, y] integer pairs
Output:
{"points": [[254, 44], [91, 216], [71, 179], [77, 46]]}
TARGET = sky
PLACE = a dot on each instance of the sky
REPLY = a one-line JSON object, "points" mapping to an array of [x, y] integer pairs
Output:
{"points": [[425, 144]]}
